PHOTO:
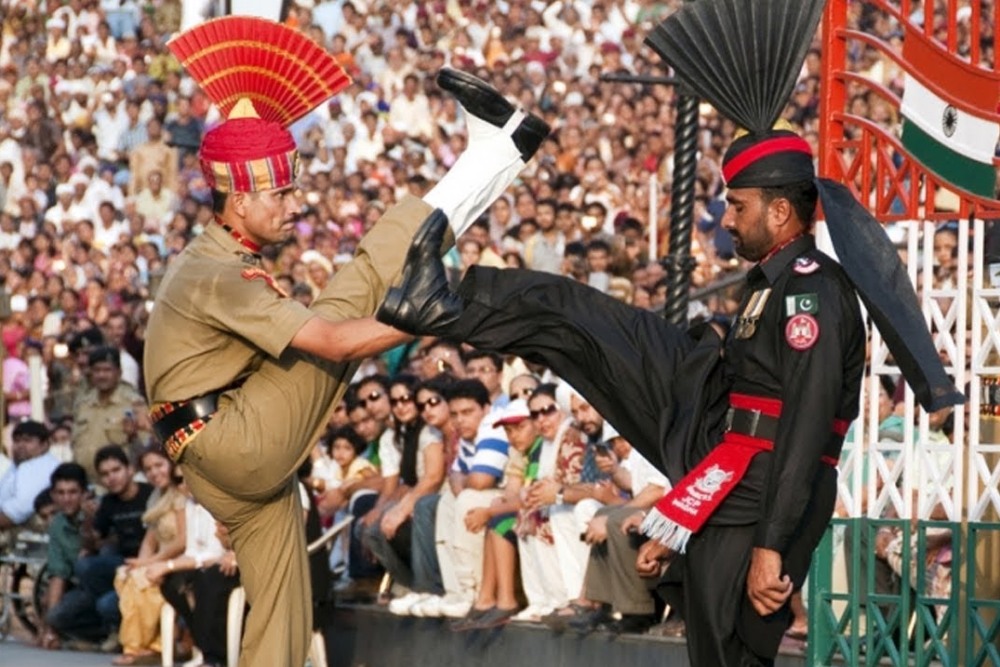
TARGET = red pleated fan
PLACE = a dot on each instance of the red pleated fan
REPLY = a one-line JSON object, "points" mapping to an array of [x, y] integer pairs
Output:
{"points": [[281, 71]]}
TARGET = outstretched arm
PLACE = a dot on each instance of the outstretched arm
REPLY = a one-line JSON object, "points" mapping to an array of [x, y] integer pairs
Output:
{"points": [[346, 340]]}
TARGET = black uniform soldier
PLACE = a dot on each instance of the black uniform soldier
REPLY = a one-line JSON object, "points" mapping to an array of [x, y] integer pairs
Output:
{"points": [[240, 377], [747, 423]]}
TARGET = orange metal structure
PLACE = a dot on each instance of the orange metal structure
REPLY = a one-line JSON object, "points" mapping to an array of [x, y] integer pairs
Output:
{"points": [[865, 155]]}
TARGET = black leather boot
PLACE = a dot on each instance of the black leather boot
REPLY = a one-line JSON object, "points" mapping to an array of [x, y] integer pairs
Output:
{"points": [[423, 304], [486, 103]]}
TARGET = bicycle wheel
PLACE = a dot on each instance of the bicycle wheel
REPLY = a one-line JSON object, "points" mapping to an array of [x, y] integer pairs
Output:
{"points": [[23, 601], [5, 602], [41, 591]]}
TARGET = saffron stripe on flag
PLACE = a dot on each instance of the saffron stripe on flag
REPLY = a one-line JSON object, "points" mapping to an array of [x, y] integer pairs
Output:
{"points": [[970, 88]]}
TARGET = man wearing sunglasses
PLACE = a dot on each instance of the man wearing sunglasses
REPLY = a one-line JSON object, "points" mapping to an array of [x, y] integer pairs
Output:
{"points": [[373, 396]]}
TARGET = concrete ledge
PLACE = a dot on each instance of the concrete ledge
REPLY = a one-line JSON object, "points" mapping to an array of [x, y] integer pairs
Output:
{"points": [[369, 636]]}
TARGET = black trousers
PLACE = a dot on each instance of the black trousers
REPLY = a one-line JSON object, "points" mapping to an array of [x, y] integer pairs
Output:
{"points": [[206, 619], [629, 364]]}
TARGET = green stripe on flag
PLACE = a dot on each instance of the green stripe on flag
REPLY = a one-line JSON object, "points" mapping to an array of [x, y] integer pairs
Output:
{"points": [[951, 166]]}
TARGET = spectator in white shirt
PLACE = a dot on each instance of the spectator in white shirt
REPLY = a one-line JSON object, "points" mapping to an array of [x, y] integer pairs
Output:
{"points": [[29, 476]]}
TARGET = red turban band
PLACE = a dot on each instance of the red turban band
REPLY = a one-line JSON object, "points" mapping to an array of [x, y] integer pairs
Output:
{"points": [[248, 155]]}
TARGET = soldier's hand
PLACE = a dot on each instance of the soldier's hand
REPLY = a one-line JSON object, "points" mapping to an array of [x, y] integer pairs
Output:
{"points": [[767, 588]]}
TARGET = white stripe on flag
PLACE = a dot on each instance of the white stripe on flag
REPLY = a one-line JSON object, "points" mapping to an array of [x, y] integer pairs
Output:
{"points": [[973, 137]]}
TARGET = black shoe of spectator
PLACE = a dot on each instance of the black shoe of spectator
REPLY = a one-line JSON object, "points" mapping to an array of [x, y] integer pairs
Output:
{"points": [[558, 621], [487, 103], [357, 591], [673, 627], [631, 624], [423, 304], [468, 622], [494, 618], [587, 621]]}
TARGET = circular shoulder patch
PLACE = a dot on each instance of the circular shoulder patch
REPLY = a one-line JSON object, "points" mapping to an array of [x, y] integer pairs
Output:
{"points": [[804, 266], [802, 331]]}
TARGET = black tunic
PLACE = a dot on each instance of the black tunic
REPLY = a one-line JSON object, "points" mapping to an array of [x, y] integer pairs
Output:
{"points": [[666, 391]]}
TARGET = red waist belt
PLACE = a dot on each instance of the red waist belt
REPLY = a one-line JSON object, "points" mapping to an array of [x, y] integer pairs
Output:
{"points": [[751, 426]]}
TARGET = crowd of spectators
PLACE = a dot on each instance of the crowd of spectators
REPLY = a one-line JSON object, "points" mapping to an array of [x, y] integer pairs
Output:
{"points": [[441, 453]]}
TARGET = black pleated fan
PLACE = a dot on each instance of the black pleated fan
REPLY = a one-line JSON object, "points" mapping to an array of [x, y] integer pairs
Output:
{"points": [[743, 56]]}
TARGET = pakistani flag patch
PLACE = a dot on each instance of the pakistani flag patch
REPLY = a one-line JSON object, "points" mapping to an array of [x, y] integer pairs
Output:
{"points": [[801, 303]]}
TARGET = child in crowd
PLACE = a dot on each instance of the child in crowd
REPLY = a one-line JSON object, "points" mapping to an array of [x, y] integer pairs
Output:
{"points": [[346, 449], [349, 469]]}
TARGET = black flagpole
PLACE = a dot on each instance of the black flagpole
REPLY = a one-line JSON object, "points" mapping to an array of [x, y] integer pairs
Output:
{"points": [[678, 262]]}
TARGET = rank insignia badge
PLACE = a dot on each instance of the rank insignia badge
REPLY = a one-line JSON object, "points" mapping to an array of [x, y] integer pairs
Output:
{"points": [[746, 323]]}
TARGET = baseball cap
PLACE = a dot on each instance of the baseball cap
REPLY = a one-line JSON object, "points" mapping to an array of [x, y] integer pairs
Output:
{"points": [[515, 413]]}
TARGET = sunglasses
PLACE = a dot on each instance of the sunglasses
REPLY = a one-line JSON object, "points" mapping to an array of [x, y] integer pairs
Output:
{"points": [[400, 400], [432, 402], [547, 410], [372, 397]]}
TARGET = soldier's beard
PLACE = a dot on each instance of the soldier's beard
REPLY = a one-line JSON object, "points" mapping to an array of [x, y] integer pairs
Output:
{"points": [[754, 245]]}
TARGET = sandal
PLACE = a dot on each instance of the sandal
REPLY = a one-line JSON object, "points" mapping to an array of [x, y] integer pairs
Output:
{"points": [[137, 659], [558, 621]]}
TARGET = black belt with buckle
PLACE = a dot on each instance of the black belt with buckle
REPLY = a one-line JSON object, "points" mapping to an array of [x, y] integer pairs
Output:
{"points": [[752, 423], [183, 413]]}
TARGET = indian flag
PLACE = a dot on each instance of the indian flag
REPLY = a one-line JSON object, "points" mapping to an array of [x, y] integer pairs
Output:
{"points": [[949, 118]]}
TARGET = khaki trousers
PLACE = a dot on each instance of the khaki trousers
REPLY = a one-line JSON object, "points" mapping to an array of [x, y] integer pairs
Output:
{"points": [[242, 465], [463, 549]]}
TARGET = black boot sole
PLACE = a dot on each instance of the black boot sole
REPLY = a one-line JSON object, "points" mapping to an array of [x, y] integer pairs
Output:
{"points": [[476, 96], [483, 101]]}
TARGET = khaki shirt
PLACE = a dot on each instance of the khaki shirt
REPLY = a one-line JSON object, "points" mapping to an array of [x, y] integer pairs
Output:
{"points": [[217, 314], [97, 423]]}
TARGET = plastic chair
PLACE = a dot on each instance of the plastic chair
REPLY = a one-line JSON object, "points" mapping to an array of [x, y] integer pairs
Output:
{"points": [[234, 629], [234, 615]]}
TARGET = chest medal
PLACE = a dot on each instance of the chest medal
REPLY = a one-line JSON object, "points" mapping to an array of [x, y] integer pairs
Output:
{"points": [[746, 323]]}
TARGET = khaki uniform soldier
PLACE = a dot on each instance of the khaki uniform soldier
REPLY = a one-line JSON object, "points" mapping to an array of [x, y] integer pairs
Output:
{"points": [[240, 377], [111, 412]]}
